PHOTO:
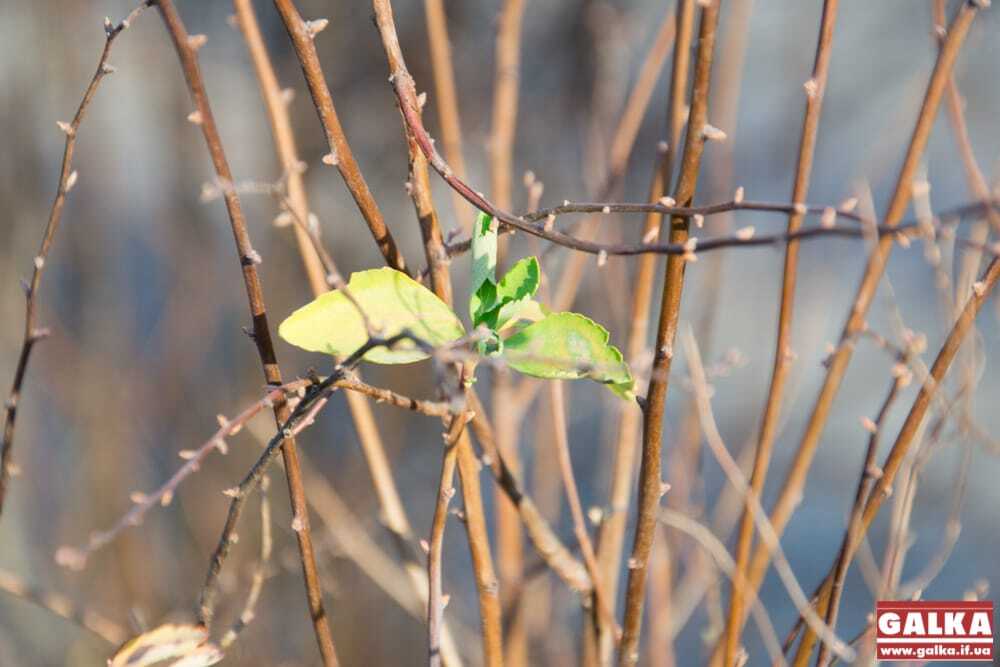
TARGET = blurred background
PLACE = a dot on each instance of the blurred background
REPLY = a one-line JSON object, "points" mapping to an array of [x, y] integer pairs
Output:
{"points": [[145, 302]]}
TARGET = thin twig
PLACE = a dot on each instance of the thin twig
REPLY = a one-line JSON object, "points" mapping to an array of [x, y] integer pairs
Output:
{"points": [[446, 100], [557, 403], [547, 543], [468, 466], [248, 257], [341, 156], [704, 536], [67, 179], [794, 482], [815, 88], [869, 473], [612, 536], [650, 478], [446, 490], [259, 571], [60, 605], [322, 275], [759, 515], [907, 433]]}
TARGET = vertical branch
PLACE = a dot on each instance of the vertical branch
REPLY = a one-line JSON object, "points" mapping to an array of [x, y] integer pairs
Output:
{"points": [[67, 179], [505, 95], [465, 458], [651, 482], [341, 156], [261, 331], [276, 103], [390, 504], [510, 543], [612, 536], [435, 603], [815, 88], [442, 65], [794, 482]]}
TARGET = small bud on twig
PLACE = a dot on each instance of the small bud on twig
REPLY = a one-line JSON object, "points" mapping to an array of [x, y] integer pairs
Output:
{"points": [[331, 159], [745, 233], [712, 133], [195, 117], [316, 26], [698, 219], [738, 195], [829, 218], [71, 180], [66, 128], [195, 42], [667, 202], [849, 204]]}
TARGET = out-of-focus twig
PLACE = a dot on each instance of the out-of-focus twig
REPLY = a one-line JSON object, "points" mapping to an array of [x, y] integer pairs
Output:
{"points": [[446, 102], [55, 603], [67, 179], [791, 490]]}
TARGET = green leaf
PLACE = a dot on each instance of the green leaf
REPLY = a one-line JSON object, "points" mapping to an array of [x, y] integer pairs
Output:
{"points": [[484, 262], [517, 311], [391, 300], [498, 303], [569, 346]]}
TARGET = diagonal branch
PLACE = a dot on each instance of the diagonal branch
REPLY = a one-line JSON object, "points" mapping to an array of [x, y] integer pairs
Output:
{"points": [[794, 481], [67, 179], [302, 34], [248, 257]]}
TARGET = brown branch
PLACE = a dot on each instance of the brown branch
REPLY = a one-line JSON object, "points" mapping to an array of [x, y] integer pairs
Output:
{"points": [[612, 536], [67, 179], [827, 214], [547, 543], [446, 99], [446, 490], [907, 433], [323, 274], [794, 482], [302, 35], [461, 445], [815, 89], [262, 335], [503, 121], [505, 97], [650, 479], [259, 571]]}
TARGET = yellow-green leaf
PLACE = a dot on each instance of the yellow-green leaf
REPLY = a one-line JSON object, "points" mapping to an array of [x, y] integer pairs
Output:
{"points": [[569, 346], [391, 300]]}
